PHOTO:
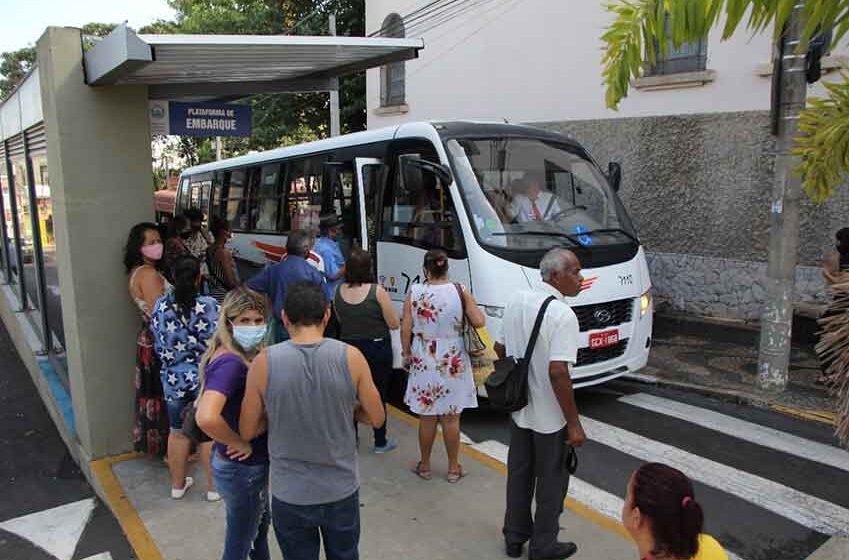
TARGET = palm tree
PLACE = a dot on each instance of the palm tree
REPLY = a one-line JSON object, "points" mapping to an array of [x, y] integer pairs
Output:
{"points": [[641, 27]]}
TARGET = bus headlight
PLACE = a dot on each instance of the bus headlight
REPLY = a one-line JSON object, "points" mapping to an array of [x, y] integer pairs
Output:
{"points": [[497, 312], [645, 303]]}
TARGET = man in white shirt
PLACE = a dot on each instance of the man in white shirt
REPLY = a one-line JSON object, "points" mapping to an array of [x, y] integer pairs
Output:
{"points": [[541, 433], [535, 204]]}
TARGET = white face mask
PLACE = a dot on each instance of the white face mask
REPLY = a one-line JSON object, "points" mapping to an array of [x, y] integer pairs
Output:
{"points": [[249, 336]]}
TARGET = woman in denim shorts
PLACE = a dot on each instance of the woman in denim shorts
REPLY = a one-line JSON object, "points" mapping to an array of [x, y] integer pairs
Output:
{"points": [[182, 322]]}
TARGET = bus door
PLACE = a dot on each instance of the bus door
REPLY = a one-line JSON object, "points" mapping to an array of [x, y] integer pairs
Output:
{"points": [[371, 174], [417, 214]]}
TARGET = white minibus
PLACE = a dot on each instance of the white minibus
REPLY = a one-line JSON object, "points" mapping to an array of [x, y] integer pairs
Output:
{"points": [[495, 196]]}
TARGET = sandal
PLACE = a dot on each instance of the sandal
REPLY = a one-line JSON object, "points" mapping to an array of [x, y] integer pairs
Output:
{"points": [[424, 474], [454, 477]]}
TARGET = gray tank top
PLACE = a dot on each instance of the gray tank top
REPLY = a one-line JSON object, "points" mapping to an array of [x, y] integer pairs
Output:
{"points": [[311, 442]]}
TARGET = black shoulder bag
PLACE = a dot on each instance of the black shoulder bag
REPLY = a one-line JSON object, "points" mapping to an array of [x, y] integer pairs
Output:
{"points": [[507, 386]]}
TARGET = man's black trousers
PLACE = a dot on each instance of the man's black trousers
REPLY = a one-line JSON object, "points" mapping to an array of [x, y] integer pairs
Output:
{"points": [[535, 464]]}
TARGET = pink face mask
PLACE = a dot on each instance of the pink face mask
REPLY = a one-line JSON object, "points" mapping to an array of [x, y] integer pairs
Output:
{"points": [[153, 252]]}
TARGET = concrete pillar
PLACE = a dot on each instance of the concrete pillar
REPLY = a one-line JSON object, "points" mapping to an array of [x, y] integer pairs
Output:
{"points": [[98, 152]]}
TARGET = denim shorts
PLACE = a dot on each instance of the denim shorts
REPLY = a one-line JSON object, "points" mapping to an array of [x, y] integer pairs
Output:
{"points": [[175, 413]]}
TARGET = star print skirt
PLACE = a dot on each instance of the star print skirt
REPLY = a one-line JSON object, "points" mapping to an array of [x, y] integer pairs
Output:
{"points": [[150, 433]]}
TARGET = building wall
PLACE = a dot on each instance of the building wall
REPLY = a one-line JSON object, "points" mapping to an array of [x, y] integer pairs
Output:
{"points": [[697, 162], [541, 60]]}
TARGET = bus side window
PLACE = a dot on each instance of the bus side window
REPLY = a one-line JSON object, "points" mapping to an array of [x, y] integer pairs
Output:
{"points": [[422, 215], [218, 194], [303, 193], [236, 203], [268, 198], [184, 197]]}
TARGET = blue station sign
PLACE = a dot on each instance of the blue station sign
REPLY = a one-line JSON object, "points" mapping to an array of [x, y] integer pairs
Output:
{"points": [[200, 119]]}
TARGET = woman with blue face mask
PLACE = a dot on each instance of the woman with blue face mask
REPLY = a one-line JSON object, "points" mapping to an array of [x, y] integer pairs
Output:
{"points": [[239, 467]]}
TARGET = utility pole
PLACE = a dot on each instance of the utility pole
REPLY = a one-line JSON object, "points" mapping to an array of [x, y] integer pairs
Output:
{"points": [[335, 127], [789, 93], [218, 148]]}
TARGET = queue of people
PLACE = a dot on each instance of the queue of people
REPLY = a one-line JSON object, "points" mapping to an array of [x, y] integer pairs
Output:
{"points": [[254, 369]]}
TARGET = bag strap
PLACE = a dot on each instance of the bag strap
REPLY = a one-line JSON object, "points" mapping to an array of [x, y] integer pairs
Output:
{"points": [[462, 299], [529, 351]]}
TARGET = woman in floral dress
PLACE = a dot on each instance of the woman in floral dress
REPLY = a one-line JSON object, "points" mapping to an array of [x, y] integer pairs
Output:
{"points": [[441, 384], [142, 257]]}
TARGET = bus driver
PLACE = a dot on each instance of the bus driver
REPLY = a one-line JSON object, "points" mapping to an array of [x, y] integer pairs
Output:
{"points": [[532, 201]]}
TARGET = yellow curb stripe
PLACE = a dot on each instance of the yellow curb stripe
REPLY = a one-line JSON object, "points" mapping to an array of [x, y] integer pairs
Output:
{"points": [[143, 544], [822, 416], [577, 507]]}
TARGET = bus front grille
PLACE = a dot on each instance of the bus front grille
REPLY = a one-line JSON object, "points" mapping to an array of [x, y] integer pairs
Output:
{"points": [[602, 315], [587, 356]]}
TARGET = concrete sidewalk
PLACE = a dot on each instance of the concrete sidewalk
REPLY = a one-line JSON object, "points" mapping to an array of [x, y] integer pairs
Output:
{"points": [[402, 515]]}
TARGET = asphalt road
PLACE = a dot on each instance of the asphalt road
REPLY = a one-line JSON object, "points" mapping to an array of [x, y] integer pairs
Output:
{"points": [[46, 502], [773, 487]]}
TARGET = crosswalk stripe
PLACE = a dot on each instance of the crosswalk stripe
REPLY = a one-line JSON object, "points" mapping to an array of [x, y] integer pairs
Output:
{"points": [[809, 511], [581, 491], [742, 429]]}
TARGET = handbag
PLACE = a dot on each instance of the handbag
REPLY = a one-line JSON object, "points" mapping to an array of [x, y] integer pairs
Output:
{"points": [[507, 386], [471, 339], [190, 427]]}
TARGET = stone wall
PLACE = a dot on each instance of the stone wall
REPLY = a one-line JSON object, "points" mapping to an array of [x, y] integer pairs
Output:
{"points": [[698, 189], [722, 287]]}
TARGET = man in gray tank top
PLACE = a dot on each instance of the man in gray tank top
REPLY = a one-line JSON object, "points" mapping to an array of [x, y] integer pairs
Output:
{"points": [[306, 391]]}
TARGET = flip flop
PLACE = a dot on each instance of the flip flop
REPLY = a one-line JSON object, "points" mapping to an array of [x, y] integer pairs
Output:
{"points": [[454, 477], [424, 474]]}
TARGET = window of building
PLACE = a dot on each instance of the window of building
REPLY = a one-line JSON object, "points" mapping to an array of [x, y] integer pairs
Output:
{"points": [[421, 215], [393, 75], [689, 57]]}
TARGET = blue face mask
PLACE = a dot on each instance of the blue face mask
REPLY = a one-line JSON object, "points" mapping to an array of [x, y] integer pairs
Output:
{"points": [[249, 336]]}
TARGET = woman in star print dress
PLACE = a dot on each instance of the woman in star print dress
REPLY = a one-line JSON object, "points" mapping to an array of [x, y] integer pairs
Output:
{"points": [[182, 322]]}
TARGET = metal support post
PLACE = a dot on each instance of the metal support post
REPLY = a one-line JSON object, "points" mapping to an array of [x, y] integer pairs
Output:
{"points": [[335, 125], [16, 231], [777, 318], [4, 234], [38, 254]]}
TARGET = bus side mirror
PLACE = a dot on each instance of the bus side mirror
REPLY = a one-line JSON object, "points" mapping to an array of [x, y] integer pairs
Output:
{"points": [[614, 175], [413, 166]]}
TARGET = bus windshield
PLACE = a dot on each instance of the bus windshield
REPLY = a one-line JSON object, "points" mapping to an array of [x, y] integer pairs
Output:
{"points": [[528, 194]]}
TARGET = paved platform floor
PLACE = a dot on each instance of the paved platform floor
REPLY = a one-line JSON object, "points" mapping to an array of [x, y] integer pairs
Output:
{"points": [[402, 516]]}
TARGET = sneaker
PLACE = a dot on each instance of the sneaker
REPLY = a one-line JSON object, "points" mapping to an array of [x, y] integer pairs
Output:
{"points": [[390, 445], [212, 496], [178, 493]]}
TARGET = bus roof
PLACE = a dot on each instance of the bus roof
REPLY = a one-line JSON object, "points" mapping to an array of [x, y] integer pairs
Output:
{"points": [[445, 129]]}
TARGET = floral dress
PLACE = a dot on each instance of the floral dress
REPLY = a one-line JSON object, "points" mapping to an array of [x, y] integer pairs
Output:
{"points": [[441, 380], [150, 430]]}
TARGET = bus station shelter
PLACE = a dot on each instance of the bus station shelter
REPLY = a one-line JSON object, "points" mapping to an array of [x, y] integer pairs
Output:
{"points": [[76, 174]]}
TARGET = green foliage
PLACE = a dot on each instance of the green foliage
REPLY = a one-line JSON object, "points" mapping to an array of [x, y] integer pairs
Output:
{"points": [[640, 24], [14, 66], [824, 144]]}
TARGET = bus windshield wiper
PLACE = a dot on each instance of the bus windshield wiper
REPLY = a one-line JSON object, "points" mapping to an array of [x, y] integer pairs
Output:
{"points": [[612, 230], [566, 236]]}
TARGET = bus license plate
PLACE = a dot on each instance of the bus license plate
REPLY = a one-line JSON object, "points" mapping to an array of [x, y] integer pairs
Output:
{"points": [[604, 339]]}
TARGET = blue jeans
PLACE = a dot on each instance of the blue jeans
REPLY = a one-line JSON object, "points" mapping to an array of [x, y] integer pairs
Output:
{"points": [[245, 492], [298, 529]]}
